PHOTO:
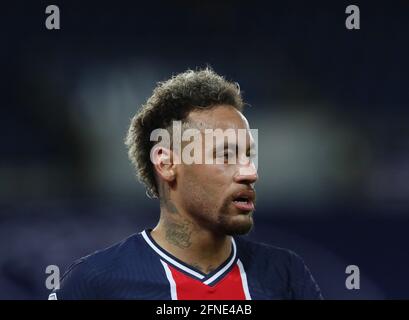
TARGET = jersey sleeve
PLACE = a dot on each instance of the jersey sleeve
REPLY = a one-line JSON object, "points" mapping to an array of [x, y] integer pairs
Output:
{"points": [[302, 283], [77, 283]]}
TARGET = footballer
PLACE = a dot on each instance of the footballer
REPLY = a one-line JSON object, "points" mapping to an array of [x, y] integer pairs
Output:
{"points": [[197, 249]]}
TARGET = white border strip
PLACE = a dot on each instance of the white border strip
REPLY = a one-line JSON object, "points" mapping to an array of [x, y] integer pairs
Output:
{"points": [[244, 280], [227, 266], [169, 259], [172, 283]]}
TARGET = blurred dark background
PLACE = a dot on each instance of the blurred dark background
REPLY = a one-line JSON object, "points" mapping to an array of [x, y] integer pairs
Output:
{"points": [[330, 104]]}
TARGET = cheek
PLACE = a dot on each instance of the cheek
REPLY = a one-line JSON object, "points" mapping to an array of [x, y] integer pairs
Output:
{"points": [[214, 177], [205, 182]]}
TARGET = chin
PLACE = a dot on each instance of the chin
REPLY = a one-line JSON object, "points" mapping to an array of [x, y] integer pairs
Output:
{"points": [[235, 226]]}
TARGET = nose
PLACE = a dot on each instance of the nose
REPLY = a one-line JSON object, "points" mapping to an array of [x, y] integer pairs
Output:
{"points": [[247, 174]]}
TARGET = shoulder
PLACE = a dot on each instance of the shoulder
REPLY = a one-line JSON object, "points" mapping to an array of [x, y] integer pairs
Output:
{"points": [[103, 260], [267, 252], [85, 277], [279, 265]]}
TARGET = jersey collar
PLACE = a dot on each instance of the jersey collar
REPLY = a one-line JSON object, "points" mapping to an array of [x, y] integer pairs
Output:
{"points": [[208, 279]]}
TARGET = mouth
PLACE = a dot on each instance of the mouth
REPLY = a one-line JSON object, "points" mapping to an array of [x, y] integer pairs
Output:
{"points": [[244, 201]]}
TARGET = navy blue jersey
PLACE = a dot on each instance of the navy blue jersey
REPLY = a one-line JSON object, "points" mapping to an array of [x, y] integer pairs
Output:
{"points": [[138, 268]]}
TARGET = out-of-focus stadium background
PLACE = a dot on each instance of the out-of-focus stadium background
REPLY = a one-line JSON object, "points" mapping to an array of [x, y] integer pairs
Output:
{"points": [[331, 107]]}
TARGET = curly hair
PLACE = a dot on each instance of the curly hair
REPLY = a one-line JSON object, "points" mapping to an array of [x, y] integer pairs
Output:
{"points": [[173, 100]]}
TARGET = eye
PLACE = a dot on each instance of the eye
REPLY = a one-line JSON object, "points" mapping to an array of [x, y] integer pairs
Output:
{"points": [[251, 154], [228, 154]]}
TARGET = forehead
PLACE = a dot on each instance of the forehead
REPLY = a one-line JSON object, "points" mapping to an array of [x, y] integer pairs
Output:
{"points": [[219, 117]]}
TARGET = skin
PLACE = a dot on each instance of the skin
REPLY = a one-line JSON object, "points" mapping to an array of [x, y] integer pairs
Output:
{"points": [[198, 216]]}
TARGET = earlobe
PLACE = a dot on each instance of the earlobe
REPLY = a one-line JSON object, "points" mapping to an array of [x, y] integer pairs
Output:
{"points": [[170, 175], [167, 173]]}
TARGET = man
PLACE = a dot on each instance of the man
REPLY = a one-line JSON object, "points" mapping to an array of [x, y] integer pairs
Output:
{"points": [[195, 251]]}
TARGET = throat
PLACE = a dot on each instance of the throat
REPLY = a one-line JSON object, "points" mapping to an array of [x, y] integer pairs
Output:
{"points": [[206, 269]]}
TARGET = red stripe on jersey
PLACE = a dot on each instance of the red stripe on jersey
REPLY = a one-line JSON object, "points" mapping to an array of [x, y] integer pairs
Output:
{"points": [[228, 288]]}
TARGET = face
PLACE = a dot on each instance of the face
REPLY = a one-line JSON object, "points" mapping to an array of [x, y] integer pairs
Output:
{"points": [[220, 197]]}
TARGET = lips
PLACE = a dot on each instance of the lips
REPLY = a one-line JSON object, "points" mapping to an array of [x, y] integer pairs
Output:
{"points": [[244, 200]]}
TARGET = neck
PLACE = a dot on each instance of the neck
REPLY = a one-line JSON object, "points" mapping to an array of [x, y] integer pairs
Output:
{"points": [[180, 235]]}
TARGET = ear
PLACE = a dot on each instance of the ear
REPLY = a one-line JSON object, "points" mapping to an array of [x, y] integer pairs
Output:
{"points": [[163, 162]]}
